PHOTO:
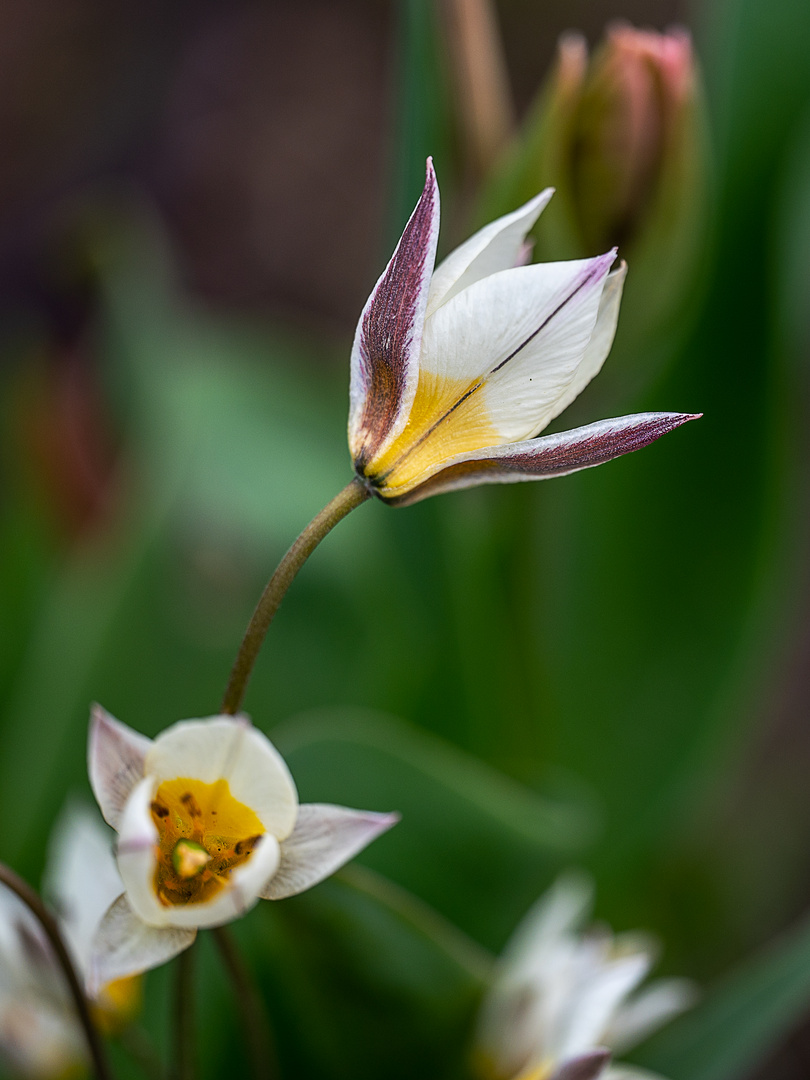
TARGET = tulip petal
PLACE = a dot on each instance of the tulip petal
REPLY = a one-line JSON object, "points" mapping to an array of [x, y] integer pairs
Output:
{"points": [[501, 354], [387, 342], [115, 757], [81, 877], [124, 946], [560, 911], [230, 748], [136, 853], [551, 455], [325, 837], [40, 1037], [495, 360], [648, 1010], [514, 1025], [601, 340], [498, 246], [492, 323], [603, 986], [587, 1066]]}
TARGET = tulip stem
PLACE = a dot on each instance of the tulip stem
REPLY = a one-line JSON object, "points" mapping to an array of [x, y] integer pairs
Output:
{"points": [[184, 1058], [261, 1045], [48, 923], [352, 496]]}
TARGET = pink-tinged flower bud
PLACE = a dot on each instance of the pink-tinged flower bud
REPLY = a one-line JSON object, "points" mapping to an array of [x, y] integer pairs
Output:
{"points": [[631, 117], [621, 136]]}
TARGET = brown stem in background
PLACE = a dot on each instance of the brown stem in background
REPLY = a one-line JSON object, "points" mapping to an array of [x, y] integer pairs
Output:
{"points": [[480, 77], [48, 923], [185, 1064], [261, 1046], [351, 496]]}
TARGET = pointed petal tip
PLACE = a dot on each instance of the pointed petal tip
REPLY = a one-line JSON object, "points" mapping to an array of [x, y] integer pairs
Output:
{"points": [[586, 1066], [541, 198], [601, 264], [387, 821]]}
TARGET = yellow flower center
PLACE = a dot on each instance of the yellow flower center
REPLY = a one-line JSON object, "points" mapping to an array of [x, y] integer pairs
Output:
{"points": [[203, 834], [448, 417]]}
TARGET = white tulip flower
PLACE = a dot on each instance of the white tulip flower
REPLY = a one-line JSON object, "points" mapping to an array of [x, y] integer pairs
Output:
{"points": [[81, 882], [562, 1001], [40, 1035], [454, 371], [208, 822]]}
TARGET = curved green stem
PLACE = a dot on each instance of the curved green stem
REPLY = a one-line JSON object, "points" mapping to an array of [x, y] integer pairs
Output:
{"points": [[261, 1046], [184, 1050], [48, 923], [352, 496]]}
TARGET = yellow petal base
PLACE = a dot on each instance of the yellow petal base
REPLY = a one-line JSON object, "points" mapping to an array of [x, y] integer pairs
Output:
{"points": [[448, 417]]}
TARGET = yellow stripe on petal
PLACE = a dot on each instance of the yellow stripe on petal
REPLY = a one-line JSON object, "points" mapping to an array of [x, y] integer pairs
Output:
{"points": [[448, 417]]}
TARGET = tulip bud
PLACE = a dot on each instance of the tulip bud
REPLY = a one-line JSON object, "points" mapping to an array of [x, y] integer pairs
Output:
{"points": [[628, 125], [621, 137]]}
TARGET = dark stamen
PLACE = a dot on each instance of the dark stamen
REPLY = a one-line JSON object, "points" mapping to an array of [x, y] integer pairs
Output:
{"points": [[191, 804]]}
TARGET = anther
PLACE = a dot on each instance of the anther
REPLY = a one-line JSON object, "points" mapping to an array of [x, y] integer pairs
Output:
{"points": [[191, 804]]}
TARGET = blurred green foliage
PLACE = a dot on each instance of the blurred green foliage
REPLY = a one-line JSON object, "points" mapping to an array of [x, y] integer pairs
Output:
{"points": [[536, 676]]}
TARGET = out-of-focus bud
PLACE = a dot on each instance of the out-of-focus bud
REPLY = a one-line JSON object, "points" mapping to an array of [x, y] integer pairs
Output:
{"points": [[629, 127], [622, 137]]}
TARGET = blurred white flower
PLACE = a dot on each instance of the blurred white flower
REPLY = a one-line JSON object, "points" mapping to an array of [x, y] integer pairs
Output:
{"points": [[563, 1000], [40, 1035], [208, 822], [81, 882], [456, 370]]}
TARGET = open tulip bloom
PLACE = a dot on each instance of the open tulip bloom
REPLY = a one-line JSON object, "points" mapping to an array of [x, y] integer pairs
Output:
{"points": [[40, 1036], [455, 370], [208, 822], [81, 881], [563, 1000]]}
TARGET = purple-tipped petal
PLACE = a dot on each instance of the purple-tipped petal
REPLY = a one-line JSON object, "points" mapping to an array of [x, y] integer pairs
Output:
{"points": [[385, 354], [115, 762], [586, 1066], [325, 837], [550, 455]]}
